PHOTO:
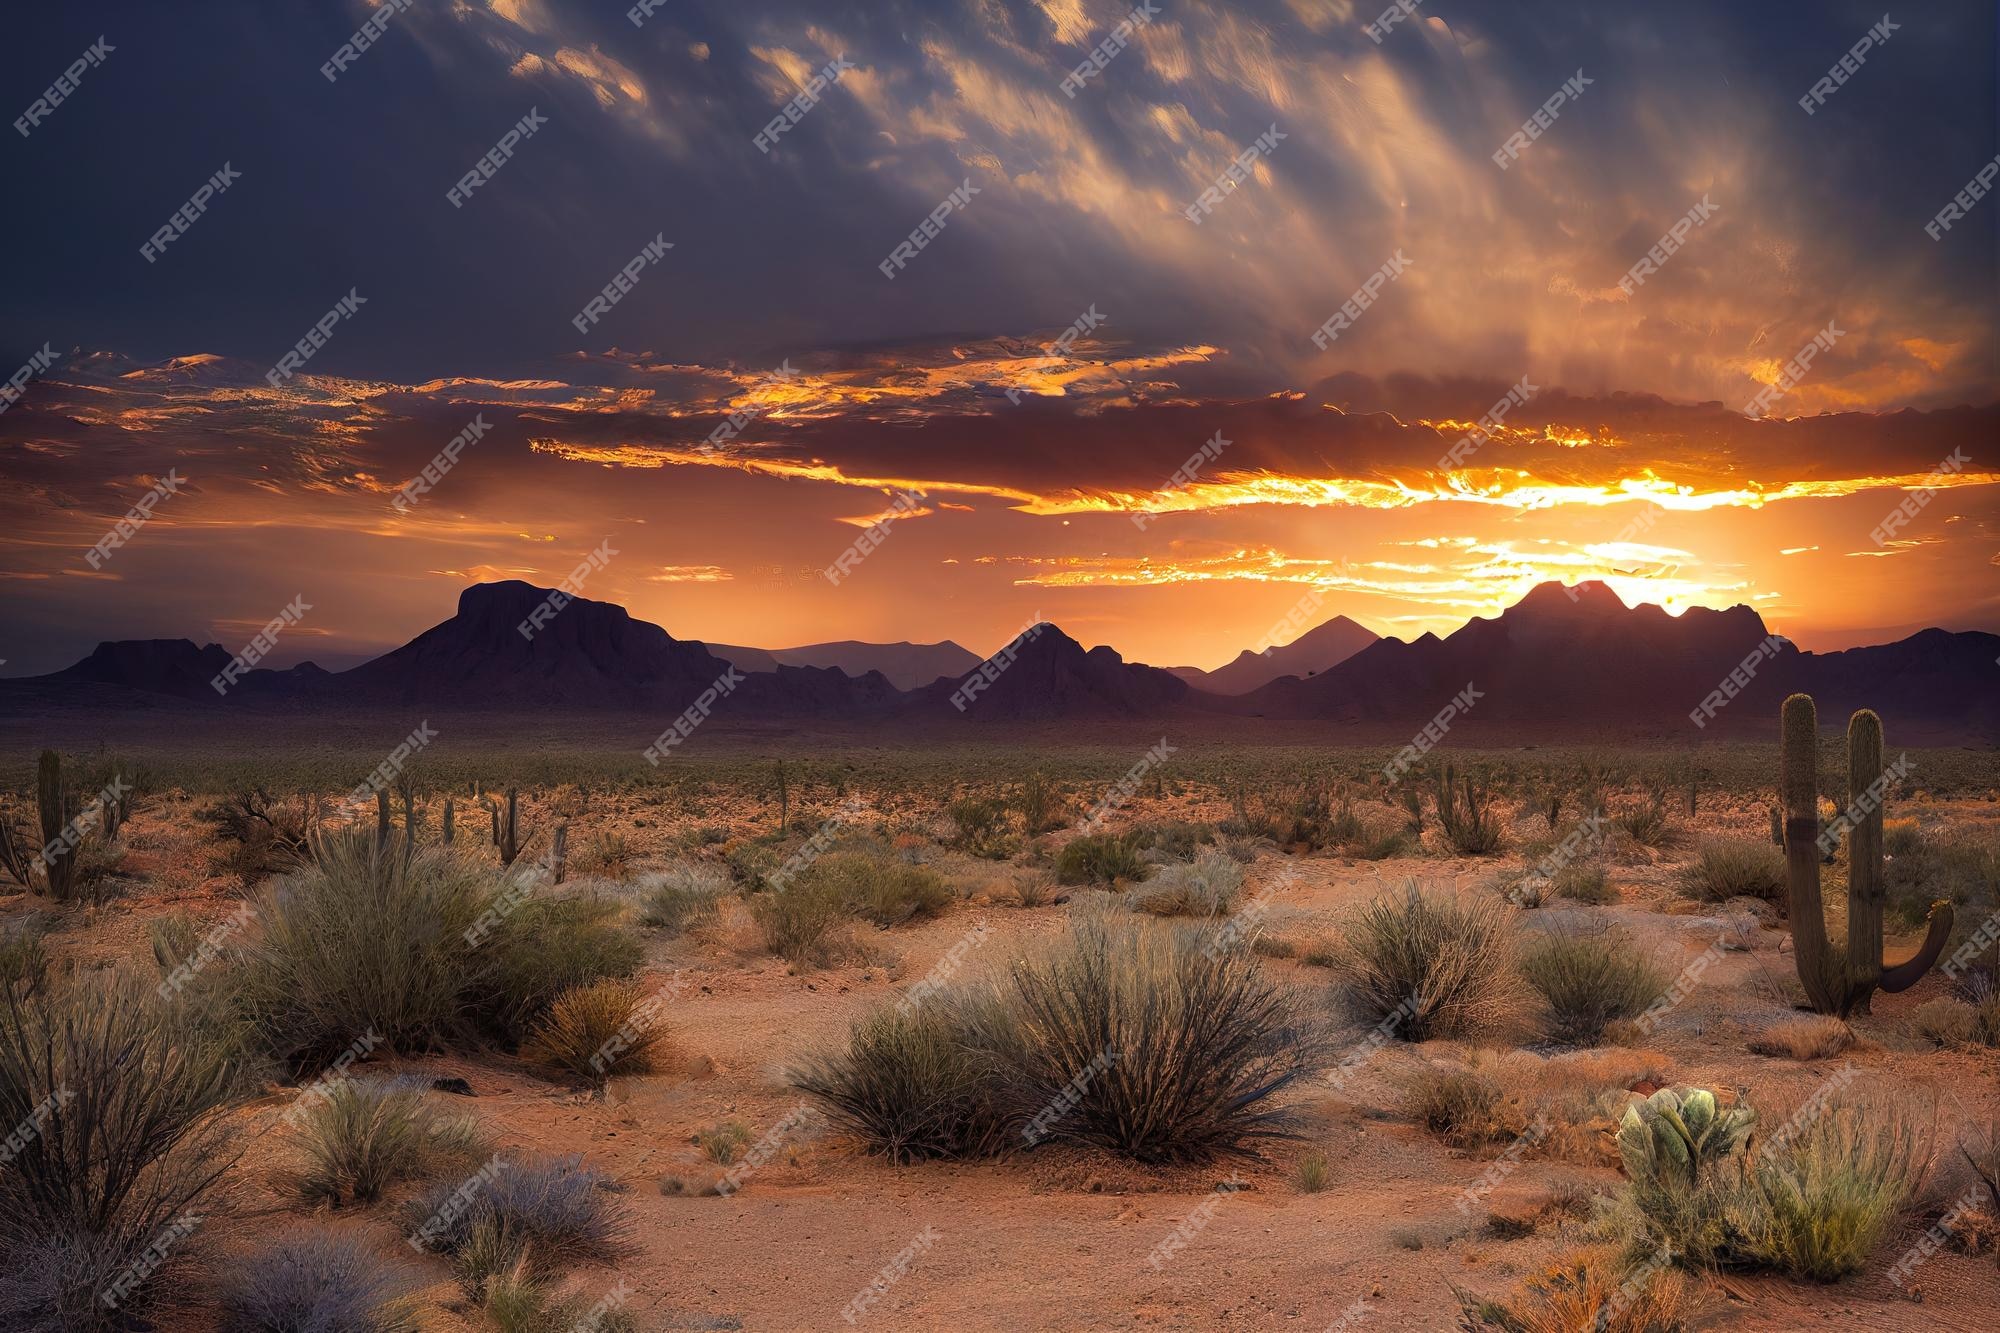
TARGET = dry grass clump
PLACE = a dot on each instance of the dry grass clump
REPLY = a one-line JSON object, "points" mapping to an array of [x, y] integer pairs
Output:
{"points": [[24, 955], [1804, 1039], [682, 896], [1950, 1022], [1207, 887], [597, 1031], [883, 889], [1312, 1171], [1032, 886], [318, 1281], [125, 1104], [1588, 981], [723, 1142], [1645, 823], [1437, 962], [1725, 868], [1586, 882], [1593, 1290], [1100, 858], [360, 1136]]}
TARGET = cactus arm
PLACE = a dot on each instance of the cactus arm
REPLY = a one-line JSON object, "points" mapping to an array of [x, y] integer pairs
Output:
{"points": [[1865, 891], [1908, 972]]}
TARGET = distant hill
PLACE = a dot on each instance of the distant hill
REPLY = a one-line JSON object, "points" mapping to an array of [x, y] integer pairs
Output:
{"points": [[1045, 674], [904, 665], [1562, 660], [1318, 649]]}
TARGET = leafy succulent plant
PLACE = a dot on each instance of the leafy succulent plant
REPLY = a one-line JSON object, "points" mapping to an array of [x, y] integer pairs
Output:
{"points": [[1672, 1136]]}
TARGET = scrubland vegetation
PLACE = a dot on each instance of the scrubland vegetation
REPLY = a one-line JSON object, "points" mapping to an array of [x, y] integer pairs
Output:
{"points": [[249, 1004]]}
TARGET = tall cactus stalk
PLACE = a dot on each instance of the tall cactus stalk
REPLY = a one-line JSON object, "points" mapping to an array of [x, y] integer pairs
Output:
{"points": [[559, 856], [447, 821], [58, 808], [1842, 983], [506, 833]]}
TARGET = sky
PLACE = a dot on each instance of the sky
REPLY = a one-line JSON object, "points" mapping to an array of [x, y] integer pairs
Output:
{"points": [[1010, 316]]}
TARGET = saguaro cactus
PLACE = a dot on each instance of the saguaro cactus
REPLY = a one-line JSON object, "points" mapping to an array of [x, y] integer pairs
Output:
{"points": [[447, 821], [506, 833], [58, 807], [1841, 983]]}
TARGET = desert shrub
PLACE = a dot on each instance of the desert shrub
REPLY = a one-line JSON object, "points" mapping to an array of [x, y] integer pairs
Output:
{"points": [[1946, 1021], [597, 1031], [517, 1303], [1461, 1106], [317, 1281], [883, 889], [263, 834], [798, 921], [1682, 1152], [415, 949], [1470, 824], [1161, 1045], [752, 864], [1586, 882], [1313, 1172], [1804, 1039], [358, 1137], [1437, 961], [545, 1213], [607, 853], [1033, 887], [1816, 1203], [1587, 981], [1963, 868], [1178, 839], [1206, 888], [127, 1139], [981, 825], [1594, 1289], [546, 947], [1379, 842], [724, 1142], [1100, 858], [1645, 823], [24, 956], [1036, 800], [912, 1083], [682, 896], [1735, 868]]}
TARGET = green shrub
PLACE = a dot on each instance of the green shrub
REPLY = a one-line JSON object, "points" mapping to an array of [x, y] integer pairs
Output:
{"points": [[798, 921], [723, 1143], [1726, 868], [1179, 839], [682, 896], [1427, 963], [541, 1213], [1588, 981], [129, 1139], [1817, 1204], [1645, 824], [981, 824], [417, 950], [1206, 888], [911, 1083], [1100, 858], [316, 1281], [360, 1136], [1037, 800], [880, 888]]}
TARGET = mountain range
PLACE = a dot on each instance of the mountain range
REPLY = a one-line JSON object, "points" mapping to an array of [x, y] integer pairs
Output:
{"points": [[1561, 659]]}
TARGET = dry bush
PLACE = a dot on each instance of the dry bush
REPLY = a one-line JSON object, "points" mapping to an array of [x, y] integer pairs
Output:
{"points": [[1439, 961], [358, 1137], [723, 1142], [318, 1281], [1032, 887], [682, 896], [1725, 868], [1190, 1042], [126, 1105], [883, 889], [598, 1031], [1950, 1022], [1586, 882], [1804, 1039], [1587, 981], [1461, 1106], [1312, 1171], [912, 1084], [1207, 887], [24, 956], [1592, 1291]]}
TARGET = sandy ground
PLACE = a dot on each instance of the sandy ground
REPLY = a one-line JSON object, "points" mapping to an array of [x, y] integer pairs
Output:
{"points": [[1061, 1238]]}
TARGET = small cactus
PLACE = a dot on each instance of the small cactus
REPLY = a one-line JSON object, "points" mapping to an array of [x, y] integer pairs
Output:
{"points": [[1841, 982]]}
